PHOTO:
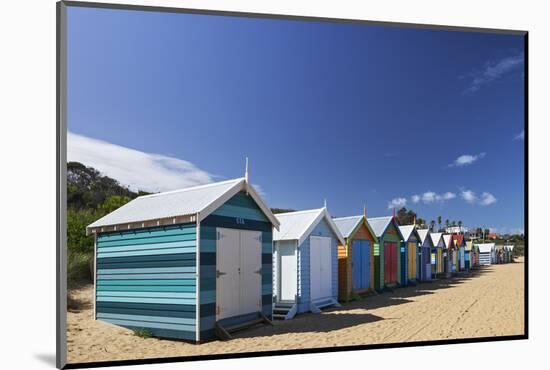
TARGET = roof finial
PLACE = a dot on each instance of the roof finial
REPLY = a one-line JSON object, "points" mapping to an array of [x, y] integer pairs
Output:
{"points": [[365, 210], [246, 171], [325, 202], [414, 221]]}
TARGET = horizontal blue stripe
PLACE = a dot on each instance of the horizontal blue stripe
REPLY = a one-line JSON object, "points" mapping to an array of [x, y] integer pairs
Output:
{"points": [[144, 324], [147, 276], [146, 270], [147, 300], [147, 233], [147, 240], [151, 319], [146, 246], [148, 252], [166, 309], [146, 288], [132, 311], [184, 282], [147, 294]]}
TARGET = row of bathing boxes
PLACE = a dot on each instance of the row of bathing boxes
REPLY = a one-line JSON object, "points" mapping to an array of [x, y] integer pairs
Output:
{"points": [[206, 261]]}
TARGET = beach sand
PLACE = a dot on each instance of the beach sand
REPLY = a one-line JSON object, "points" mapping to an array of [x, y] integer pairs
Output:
{"points": [[486, 303]]}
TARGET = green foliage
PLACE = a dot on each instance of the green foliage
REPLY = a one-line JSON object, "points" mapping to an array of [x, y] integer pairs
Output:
{"points": [[142, 333], [405, 216], [77, 220], [79, 268], [282, 210], [90, 196]]}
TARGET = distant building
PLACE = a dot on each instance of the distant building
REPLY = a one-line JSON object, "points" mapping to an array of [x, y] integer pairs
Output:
{"points": [[456, 230], [492, 236]]}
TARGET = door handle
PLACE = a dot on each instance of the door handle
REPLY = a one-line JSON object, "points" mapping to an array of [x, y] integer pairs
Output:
{"points": [[219, 273], [259, 271]]}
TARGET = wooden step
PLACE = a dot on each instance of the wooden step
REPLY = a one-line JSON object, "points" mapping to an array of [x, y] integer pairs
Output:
{"points": [[244, 325]]}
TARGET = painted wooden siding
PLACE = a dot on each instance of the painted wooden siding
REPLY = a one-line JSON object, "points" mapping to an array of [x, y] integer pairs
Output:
{"points": [[344, 271], [146, 279], [304, 298], [345, 258], [239, 212], [284, 243], [412, 258], [390, 235]]}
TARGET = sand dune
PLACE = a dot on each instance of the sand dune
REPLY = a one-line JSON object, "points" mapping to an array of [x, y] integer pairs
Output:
{"points": [[485, 303]]}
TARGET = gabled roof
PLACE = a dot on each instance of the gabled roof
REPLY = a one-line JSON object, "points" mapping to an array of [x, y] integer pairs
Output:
{"points": [[298, 225], [379, 224], [459, 238], [509, 247], [423, 234], [447, 238], [468, 245], [435, 238], [485, 247], [198, 200], [348, 226], [406, 231]]}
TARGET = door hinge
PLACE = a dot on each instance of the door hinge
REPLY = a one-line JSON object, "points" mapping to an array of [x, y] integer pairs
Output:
{"points": [[259, 271], [220, 273]]}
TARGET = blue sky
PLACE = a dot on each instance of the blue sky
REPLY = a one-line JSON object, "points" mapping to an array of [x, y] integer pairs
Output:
{"points": [[356, 114]]}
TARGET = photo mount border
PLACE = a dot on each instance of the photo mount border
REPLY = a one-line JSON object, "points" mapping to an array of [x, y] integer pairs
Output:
{"points": [[61, 191]]}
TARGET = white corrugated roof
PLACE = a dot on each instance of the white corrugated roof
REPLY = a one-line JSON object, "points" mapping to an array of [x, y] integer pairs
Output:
{"points": [[435, 238], [347, 225], [406, 231], [201, 200], [485, 247], [509, 246], [379, 224], [298, 225]]}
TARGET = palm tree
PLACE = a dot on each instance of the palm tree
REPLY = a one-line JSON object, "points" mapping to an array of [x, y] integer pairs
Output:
{"points": [[460, 224], [447, 223], [432, 224], [439, 221]]}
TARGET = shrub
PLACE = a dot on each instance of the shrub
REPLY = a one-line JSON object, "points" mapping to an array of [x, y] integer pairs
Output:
{"points": [[79, 268], [142, 333]]}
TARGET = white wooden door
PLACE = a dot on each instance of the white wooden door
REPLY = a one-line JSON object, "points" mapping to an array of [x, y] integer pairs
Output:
{"points": [[320, 267], [250, 272], [227, 273], [288, 272]]}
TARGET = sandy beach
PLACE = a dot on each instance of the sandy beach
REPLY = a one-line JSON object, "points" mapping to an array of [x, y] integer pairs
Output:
{"points": [[488, 302]]}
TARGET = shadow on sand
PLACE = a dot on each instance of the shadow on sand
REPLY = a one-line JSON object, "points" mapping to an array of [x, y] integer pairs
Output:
{"points": [[336, 318]]}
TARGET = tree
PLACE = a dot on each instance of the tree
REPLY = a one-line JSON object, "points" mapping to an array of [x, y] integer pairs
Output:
{"points": [[405, 216], [112, 203], [447, 223], [460, 224], [432, 225], [453, 223], [439, 221]]}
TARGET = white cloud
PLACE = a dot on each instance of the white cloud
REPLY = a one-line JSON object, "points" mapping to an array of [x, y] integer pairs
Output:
{"points": [[520, 136], [487, 199], [469, 196], [429, 197], [397, 203], [466, 159], [472, 198], [447, 196], [136, 169], [493, 71]]}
